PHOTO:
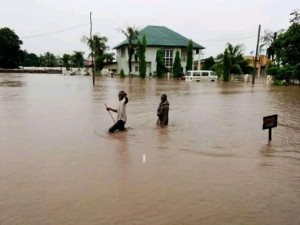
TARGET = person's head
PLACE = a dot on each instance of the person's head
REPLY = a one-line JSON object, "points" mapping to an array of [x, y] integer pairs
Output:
{"points": [[122, 94], [163, 97]]}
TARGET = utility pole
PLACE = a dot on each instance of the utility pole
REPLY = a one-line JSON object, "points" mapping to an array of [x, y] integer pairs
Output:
{"points": [[92, 48], [256, 53]]}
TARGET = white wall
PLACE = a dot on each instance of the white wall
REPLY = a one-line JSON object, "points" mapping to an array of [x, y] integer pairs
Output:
{"points": [[122, 62]]}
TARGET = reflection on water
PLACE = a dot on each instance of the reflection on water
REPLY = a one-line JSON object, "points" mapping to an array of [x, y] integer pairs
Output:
{"points": [[212, 165], [9, 83]]}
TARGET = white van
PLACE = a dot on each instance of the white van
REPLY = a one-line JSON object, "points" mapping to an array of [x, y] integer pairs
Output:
{"points": [[198, 75]]}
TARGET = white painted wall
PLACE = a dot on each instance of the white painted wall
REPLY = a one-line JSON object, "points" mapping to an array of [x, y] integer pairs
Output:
{"points": [[122, 60]]}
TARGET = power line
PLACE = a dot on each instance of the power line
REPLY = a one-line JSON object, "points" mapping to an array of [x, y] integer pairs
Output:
{"points": [[237, 39], [55, 32]]}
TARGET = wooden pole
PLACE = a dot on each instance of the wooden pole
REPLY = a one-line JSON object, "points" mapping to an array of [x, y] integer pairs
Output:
{"points": [[256, 53], [92, 49]]}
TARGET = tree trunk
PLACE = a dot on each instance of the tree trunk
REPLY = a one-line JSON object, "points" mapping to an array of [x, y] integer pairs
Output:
{"points": [[129, 62]]}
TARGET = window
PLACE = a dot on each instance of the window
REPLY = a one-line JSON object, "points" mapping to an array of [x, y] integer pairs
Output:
{"points": [[196, 74], [136, 69], [204, 74], [168, 58]]}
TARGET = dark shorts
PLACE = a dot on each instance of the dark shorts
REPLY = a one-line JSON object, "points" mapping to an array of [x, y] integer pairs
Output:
{"points": [[119, 125]]}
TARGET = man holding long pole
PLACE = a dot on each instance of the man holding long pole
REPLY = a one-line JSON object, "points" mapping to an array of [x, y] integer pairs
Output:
{"points": [[121, 113]]}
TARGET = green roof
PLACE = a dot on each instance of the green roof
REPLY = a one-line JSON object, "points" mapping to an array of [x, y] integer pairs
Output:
{"points": [[163, 37]]}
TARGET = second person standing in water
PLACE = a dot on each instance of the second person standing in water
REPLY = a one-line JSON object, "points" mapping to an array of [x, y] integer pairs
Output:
{"points": [[163, 111]]}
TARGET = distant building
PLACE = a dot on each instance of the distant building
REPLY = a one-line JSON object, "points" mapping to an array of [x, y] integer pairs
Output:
{"points": [[158, 37], [261, 65]]}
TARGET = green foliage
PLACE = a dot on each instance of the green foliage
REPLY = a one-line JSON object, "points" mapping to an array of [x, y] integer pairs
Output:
{"points": [[296, 16], [122, 74], [10, 52], [189, 61], [177, 65], [218, 68], [131, 34], [208, 63], [142, 56], [233, 61], [160, 64], [66, 61], [236, 69], [288, 47], [273, 70], [77, 59], [245, 67], [109, 57], [284, 73], [227, 65], [97, 45], [269, 39], [30, 59], [48, 60], [297, 72]]}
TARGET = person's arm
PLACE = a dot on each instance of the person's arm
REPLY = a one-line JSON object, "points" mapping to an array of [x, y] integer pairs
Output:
{"points": [[110, 109]]}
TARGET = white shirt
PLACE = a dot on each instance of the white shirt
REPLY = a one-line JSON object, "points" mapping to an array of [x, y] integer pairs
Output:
{"points": [[122, 110]]}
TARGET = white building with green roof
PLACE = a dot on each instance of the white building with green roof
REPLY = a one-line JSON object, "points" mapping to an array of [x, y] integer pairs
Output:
{"points": [[158, 37]]}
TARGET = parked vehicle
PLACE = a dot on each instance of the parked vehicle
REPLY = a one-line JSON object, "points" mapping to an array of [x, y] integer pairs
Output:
{"points": [[181, 77], [197, 75]]}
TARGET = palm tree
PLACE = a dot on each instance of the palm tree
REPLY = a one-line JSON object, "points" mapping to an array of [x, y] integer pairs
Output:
{"points": [[131, 34], [235, 54], [268, 39], [233, 61], [66, 61], [98, 47], [49, 60], [77, 59], [109, 57]]}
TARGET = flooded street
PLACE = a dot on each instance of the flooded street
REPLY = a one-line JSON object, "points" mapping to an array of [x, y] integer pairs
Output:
{"points": [[212, 164]]}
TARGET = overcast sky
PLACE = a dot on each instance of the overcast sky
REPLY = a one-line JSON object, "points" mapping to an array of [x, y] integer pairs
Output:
{"points": [[210, 23]]}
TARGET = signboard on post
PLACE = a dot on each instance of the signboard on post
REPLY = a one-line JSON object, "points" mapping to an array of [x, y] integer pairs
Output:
{"points": [[269, 122]]}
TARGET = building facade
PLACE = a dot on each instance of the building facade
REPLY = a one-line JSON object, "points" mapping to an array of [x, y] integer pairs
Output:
{"points": [[158, 37]]}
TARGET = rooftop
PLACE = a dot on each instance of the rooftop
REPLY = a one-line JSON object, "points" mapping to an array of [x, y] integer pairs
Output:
{"points": [[162, 36]]}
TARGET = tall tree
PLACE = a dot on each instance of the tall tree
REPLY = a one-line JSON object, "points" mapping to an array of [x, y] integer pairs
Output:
{"points": [[227, 65], [66, 61], [77, 59], [131, 34], [189, 61], [109, 57], [142, 56], [30, 59], [160, 65], [288, 47], [296, 16], [177, 65], [208, 63], [9, 48], [49, 59], [268, 40], [98, 45]]}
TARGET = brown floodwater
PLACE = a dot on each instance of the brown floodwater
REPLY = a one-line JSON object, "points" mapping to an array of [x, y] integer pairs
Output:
{"points": [[213, 164]]}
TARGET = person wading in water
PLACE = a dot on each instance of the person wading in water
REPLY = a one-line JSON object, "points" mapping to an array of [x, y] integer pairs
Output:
{"points": [[163, 111], [121, 113]]}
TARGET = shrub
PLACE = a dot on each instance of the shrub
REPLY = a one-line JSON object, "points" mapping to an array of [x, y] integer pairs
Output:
{"points": [[122, 74]]}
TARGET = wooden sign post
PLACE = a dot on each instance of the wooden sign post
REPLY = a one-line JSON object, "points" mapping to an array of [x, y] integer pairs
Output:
{"points": [[269, 122]]}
